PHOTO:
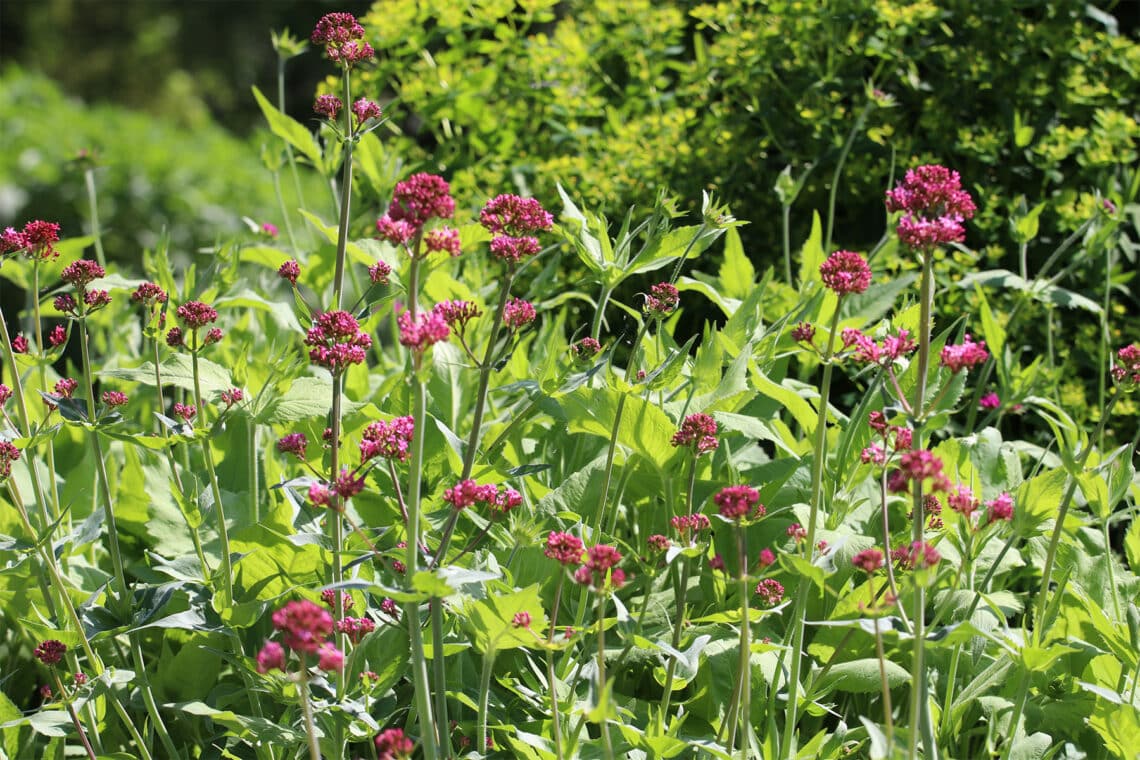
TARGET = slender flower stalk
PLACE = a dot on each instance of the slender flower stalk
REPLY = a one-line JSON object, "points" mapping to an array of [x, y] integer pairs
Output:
{"points": [[787, 737], [37, 320], [607, 742], [96, 228], [63, 694], [307, 711], [552, 678], [681, 594], [744, 668]]}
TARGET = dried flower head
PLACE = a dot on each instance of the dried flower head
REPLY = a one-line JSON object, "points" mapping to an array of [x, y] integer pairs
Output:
{"points": [[803, 332]]}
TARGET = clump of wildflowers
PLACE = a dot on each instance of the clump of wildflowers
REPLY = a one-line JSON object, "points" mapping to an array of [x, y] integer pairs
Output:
{"points": [[1126, 371], [662, 300], [342, 35], [737, 502], [933, 206], [392, 744], [336, 341], [293, 443], [770, 591], [967, 355], [328, 106], [845, 273], [513, 220], [601, 570], [585, 349], [697, 432], [37, 241], [50, 652], [389, 440], [564, 548], [424, 330], [518, 313]]}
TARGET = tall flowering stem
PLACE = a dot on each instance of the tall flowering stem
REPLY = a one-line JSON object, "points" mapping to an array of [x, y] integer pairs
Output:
{"points": [[345, 195], [804, 587], [683, 588], [37, 320], [744, 668]]}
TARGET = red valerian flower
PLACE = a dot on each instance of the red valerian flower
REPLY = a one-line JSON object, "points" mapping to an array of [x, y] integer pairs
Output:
{"points": [[8, 454], [271, 657], [379, 273], [81, 273], [518, 313], [37, 241], [601, 562], [443, 239], [564, 548], [387, 439], [736, 502], [365, 109], [468, 493], [662, 300], [336, 341], [196, 315], [1126, 371], [114, 398], [585, 349], [304, 625], [698, 432], [868, 560], [421, 197], [770, 591], [965, 356], [934, 206], [513, 215], [294, 443], [845, 273], [521, 620], [290, 271], [58, 336], [50, 652], [424, 331], [392, 744]]}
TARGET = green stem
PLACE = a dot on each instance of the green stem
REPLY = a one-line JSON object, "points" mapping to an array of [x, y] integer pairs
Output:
{"points": [[888, 711], [53, 489], [345, 195], [551, 677], [787, 239], [1111, 573], [787, 739], [484, 697], [681, 595], [607, 743], [1059, 527], [252, 451], [1015, 720], [307, 712], [411, 561], [96, 229], [215, 490], [744, 669], [63, 695], [600, 311], [918, 671]]}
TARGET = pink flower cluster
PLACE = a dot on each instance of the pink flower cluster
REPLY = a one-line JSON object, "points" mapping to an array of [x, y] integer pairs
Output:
{"points": [[963, 501], [50, 652], [468, 493], [443, 239], [846, 272], [698, 432], [662, 300], [328, 106], [916, 556], [336, 341], [921, 465], [81, 273], [513, 220], [884, 352], [365, 109], [600, 567], [37, 241], [420, 198], [518, 313], [934, 206], [114, 398], [965, 356], [770, 591], [8, 454], [196, 315], [737, 502], [690, 525], [803, 332], [424, 331], [293, 443], [149, 294], [305, 628], [868, 560], [290, 271], [355, 628], [1126, 371], [585, 349], [342, 37], [392, 744], [457, 313], [387, 439], [564, 548]]}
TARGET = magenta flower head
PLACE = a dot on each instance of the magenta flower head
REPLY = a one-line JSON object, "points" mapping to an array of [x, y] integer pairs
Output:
{"points": [[513, 215], [457, 313], [185, 411], [1126, 370], [662, 300], [737, 502], [328, 106], [50, 652], [290, 271], [395, 231], [521, 620], [601, 565], [392, 744], [379, 273], [846, 272], [917, 556], [8, 454], [586, 349], [690, 525], [965, 356], [196, 315], [770, 591], [468, 493], [269, 229], [365, 109], [81, 273], [518, 313], [330, 659], [65, 303], [336, 341], [304, 625], [294, 443], [114, 398], [271, 657], [149, 294], [389, 440], [1000, 508], [933, 205], [66, 387], [443, 239], [868, 560], [990, 401], [512, 250], [342, 37], [564, 548], [697, 432], [58, 336], [19, 344], [423, 332], [803, 332], [37, 241], [5, 393], [421, 197]]}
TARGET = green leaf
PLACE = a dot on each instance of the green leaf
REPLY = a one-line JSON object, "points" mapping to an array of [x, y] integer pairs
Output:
{"points": [[1038, 500], [1132, 546], [306, 397], [282, 313], [178, 371], [801, 568], [689, 242], [736, 272], [795, 403], [9, 737], [289, 130], [812, 254], [244, 727], [491, 620], [644, 428], [862, 677], [1118, 726], [992, 330]]}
